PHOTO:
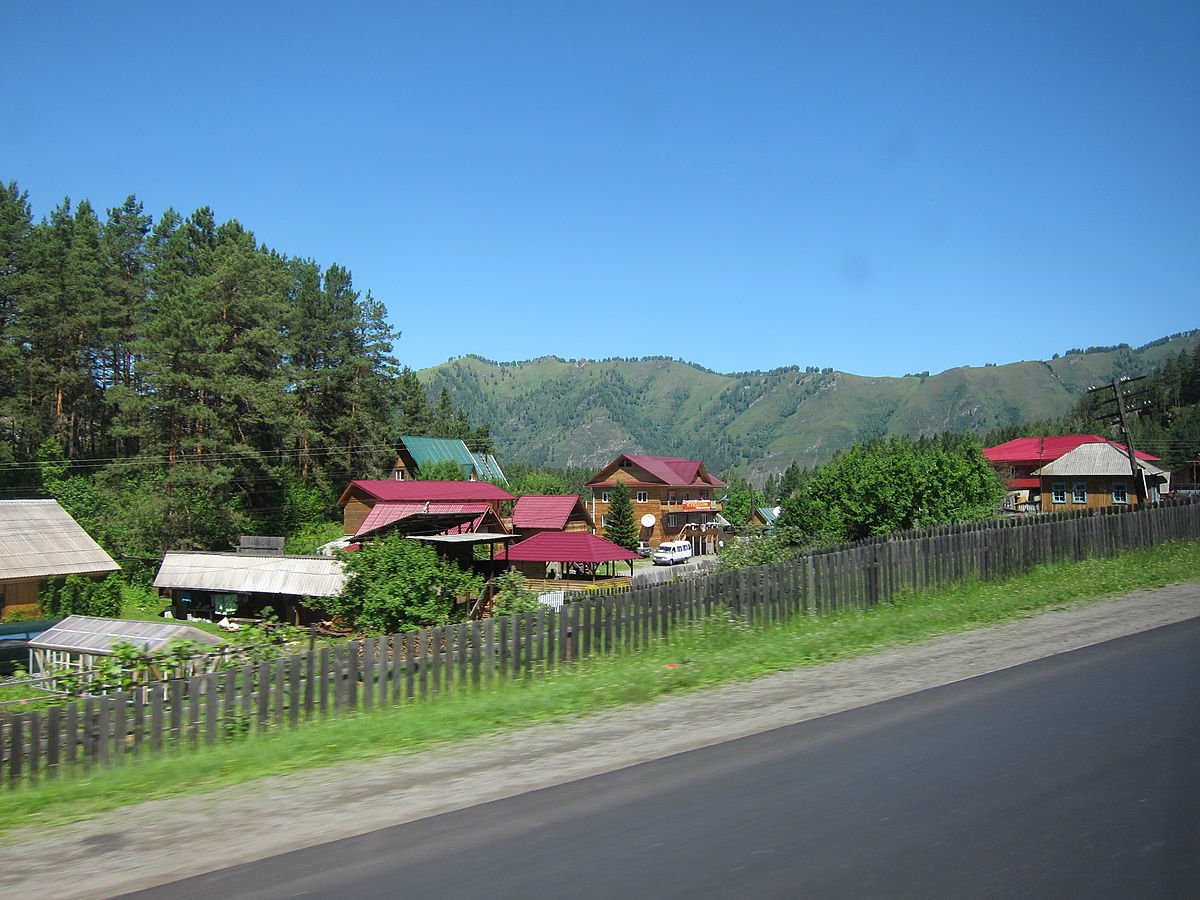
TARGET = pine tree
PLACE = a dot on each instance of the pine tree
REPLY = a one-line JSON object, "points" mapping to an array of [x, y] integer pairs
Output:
{"points": [[621, 528]]}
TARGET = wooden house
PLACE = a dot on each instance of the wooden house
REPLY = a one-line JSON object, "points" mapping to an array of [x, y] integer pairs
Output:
{"points": [[361, 497], [673, 498], [1095, 475], [1018, 460], [418, 450], [39, 541]]}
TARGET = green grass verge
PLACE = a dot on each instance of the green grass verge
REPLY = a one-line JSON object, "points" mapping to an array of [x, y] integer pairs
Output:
{"points": [[719, 651]]}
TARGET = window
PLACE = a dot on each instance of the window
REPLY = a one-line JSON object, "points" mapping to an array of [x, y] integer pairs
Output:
{"points": [[604, 521], [1120, 492], [399, 473], [606, 497], [1079, 494], [643, 496], [672, 521], [670, 496], [1059, 492]]}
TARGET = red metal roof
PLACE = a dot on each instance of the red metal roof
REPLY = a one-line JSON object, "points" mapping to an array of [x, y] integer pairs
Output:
{"points": [[670, 470], [544, 511], [565, 546], [388, 512], [1046, 449], [420, 491]]}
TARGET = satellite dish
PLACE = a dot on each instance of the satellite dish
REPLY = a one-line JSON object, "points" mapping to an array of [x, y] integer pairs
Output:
{"points": [[647, 521]]}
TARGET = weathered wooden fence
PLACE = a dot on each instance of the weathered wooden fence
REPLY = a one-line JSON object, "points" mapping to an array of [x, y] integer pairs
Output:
{"points": [[416, 667]]}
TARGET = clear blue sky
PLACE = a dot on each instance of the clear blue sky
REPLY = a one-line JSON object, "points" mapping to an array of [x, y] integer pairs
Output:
{"points": [[878, 187]]}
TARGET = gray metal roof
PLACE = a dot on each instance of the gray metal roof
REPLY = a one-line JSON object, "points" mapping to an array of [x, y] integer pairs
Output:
{"points": [[39, 539], [1096, 459], [90, 634], [297, 576]]}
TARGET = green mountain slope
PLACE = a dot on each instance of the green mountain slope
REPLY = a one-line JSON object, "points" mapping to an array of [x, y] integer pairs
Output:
{"points": [[552, 411]]}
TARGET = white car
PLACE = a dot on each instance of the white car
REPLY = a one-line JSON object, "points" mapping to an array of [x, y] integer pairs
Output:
{"points": [[671, 552]]}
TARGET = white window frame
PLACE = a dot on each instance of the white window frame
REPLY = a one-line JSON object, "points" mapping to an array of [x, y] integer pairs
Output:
{"points": [[1079, 493], [604, 521], [606, 497], [643, 497], [1120, 492], [1058, 492], [672, 520]]}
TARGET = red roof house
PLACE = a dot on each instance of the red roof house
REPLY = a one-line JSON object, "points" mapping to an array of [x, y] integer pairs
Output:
{"points": [[360, 497], [670, 495], [1023, 456]]}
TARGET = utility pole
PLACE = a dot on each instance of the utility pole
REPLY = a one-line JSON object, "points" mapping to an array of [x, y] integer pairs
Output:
{"points": [[1139, 400]]}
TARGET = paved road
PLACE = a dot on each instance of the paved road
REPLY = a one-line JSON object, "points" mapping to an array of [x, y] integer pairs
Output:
{"points": [[1076, 775]]}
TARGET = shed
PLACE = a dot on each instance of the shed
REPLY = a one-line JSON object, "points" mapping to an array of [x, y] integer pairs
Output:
{"points": [[213, 585]]}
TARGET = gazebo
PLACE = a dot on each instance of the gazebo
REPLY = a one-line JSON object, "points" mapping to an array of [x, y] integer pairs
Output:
{"points": [[578, 555]]}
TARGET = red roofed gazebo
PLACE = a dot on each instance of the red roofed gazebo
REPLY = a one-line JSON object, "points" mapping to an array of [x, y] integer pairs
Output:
{"points": [[579, 550]]}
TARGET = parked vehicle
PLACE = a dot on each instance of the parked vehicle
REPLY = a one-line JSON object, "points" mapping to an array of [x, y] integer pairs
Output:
{"points": [[671, 552], [643, 549]]}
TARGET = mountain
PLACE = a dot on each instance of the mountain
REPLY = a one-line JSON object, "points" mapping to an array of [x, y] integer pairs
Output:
{"points": [[557, 412]]}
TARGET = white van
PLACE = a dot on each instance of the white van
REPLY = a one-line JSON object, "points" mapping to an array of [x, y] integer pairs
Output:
{"points": [[671, 552]]}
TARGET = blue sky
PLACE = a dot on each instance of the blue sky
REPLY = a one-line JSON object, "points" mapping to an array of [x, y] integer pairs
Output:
{"points": [[878, 187]]}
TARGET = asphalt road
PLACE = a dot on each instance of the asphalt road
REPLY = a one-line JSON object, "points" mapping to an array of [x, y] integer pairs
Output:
{"points": [[1077, 775]]}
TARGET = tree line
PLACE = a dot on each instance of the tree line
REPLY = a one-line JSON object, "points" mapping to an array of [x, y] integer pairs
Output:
{"points": [[177, 382]]}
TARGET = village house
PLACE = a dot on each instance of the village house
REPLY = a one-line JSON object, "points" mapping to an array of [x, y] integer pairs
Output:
{"points": [[417, 450], [673, 498], [425, 507], [1095, 475], [1018, 460], [39, 541]]}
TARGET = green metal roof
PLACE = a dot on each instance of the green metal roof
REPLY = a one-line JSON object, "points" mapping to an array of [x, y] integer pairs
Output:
{"points": [[425, 450]]}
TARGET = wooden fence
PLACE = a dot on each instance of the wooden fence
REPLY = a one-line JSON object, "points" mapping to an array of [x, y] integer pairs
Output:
{"points": [[416, 667]]}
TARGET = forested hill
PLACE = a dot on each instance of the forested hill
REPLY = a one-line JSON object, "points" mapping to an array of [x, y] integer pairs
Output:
{"points": [[559, 412]]}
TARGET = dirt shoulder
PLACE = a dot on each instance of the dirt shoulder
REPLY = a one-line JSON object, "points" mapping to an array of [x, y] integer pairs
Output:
{"points": [[162, 841]]}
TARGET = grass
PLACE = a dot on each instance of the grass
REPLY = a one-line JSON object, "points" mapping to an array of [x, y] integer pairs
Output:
{"points": [[719, 651]]}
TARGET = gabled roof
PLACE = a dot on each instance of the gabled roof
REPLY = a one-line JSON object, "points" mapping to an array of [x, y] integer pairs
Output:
{"points": [[565, 546], [39, 539], [426, 450], [1031, 450], [297, 576], [668, 470], [548, 511], [1100, 458], [94, 635], [769, 514], [432, 514], [420, 491]]}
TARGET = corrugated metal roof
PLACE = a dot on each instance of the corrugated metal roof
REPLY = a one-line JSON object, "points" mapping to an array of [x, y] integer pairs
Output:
{"points": [[420, 491], [89, 634], [447, 514], [1096, 459], [545, 510], [426, 450], [297, 576], [1045, 449], [566, 546], [39, 539]]}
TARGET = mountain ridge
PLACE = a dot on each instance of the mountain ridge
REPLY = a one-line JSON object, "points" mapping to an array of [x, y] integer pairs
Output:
{"points": [[557, 411]]}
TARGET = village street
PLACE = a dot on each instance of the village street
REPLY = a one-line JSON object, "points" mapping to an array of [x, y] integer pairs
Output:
{"points": [[163, 841]]}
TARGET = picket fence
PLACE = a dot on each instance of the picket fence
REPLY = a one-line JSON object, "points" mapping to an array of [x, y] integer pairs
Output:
{"points": [[421, 666]]}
